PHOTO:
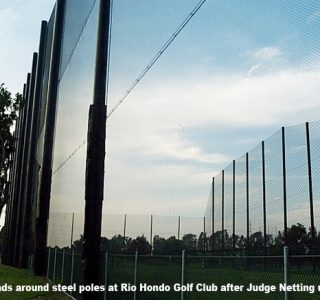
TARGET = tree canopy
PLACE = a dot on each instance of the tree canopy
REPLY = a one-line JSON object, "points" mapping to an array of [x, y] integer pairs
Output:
{"points": [[299, 241]]}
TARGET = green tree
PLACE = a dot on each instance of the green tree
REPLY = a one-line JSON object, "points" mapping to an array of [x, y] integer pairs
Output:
{"points": [[219, 238], [170, 246], [256, 241], [189, 241], [173, 246], [297, 239], [9, 109], [139, 244], [203, 243], [118, 244], [159, 245], [77, 245], [104, 244]]}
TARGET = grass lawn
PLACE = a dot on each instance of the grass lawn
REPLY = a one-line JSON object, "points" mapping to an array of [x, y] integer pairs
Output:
{"points": [[218, 271], [155, 273], [14, 277]]}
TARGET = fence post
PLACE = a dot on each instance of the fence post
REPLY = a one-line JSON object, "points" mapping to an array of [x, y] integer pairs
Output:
{"points": [[72, 266], [284, 184], [151, 243], [62, 267], [247, 200], [28, 268], [182, 271], [285, 267], [32, 262], [264, 197], [233, 207], [204, 235], [105, 276], [212, 219], [48, 265], [222, 211], [124, 233], [135, 274], [71, 233], [54, 264], [313, 235], [204, 243]]}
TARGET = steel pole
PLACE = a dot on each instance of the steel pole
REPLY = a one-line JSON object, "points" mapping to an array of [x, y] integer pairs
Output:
{"points": [[284, 184], [46, 171], [94, 182]]}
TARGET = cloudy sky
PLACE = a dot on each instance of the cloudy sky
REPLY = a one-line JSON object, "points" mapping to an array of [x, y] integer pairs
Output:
{"points": [[239, 71], [236, 73]]}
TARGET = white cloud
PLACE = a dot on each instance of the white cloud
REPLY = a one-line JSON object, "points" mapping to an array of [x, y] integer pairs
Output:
{"points": [[154, 166], [166, 111], [262, 58], [7, 19], [155, 188], [252, 70], [20, 26], [272, 99], [171, 145], [314, 17], [265, 53]]}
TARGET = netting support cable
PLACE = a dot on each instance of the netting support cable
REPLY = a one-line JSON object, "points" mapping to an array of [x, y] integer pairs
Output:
{"points": [[157, 56]]}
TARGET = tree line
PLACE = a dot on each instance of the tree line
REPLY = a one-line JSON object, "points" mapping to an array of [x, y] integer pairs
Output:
{"points": [[299, 240]]}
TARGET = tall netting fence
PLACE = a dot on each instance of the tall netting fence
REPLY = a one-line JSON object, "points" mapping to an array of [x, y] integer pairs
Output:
{"points": [[264, 200], [240, 208], [123, 234], [275, 195], [274, 207], [185, 276], [208, 220], [229, 245], [52, 133], [75, 94], [275, 192], [23, 202]]}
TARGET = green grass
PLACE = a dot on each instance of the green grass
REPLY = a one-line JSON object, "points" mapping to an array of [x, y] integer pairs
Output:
{"points": [[156, 272], [14, 277], [217, 270]]}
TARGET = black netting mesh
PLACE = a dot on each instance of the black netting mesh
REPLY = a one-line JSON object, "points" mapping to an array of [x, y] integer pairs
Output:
{"points": [[218, 234], [256, 221], [228, 209], [240, 206], [274, 193], [74, 98]]}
